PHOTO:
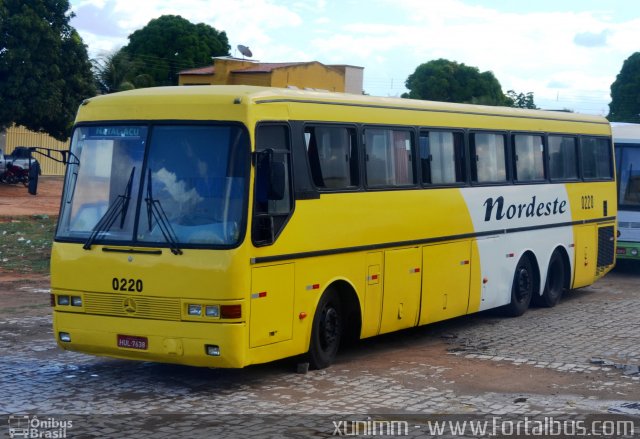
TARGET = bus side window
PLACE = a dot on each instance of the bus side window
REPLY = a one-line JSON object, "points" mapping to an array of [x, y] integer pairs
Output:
{"points": [[441, 157], [488, 157], [563, 158], [529, 157], [333, 157], [273, 202], [596, 158], [389, 157]]}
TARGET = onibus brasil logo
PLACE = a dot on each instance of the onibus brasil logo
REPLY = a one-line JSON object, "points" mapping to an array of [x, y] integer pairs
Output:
{"points": [[25, 426]]}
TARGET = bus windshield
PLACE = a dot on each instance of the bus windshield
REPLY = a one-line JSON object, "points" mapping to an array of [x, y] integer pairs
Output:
{"points": [[629, 176], [163, 185]]}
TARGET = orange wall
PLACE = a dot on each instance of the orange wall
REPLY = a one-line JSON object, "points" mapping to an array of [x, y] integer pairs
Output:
{"points": [[195, 79], [313, 75]]}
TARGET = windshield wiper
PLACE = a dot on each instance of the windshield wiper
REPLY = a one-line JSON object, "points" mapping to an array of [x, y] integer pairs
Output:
{"points": [[155, 211], [119, 207]]}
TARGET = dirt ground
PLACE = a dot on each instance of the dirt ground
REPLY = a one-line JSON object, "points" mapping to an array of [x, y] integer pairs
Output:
{"points": [[16, 200]]}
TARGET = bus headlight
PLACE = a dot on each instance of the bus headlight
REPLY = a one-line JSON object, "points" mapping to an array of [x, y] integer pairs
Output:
{"points": [[63, 300], [76, 301], [213, 350], [194, 310], [634, 252], [212, 311]]}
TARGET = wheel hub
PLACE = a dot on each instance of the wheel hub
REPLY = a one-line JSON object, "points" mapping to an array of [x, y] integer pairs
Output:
{"points": [[524, 284], [330, 327]]}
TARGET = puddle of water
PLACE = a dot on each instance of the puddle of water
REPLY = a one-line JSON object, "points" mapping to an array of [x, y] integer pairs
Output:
{"points": [[37, 290], [627, 408]]}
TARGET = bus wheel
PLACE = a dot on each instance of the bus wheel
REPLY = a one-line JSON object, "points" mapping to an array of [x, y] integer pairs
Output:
{"points": [[522, 288], [326, 332], [554, 285]]}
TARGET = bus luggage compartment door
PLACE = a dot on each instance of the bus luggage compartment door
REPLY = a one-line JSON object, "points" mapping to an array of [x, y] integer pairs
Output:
{"points": [[585, 256], [271, 318], [401, 292], [445, 285]]}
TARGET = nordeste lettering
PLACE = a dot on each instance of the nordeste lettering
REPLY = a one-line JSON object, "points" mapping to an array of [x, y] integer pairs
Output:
{"points": [[531, 209]]}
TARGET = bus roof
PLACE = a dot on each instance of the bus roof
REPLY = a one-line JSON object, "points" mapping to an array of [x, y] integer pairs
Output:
{"points": [[625, 132], [165, 102]]}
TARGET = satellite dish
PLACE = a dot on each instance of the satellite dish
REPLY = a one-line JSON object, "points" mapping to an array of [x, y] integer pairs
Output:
{"points": [[244, 50]]}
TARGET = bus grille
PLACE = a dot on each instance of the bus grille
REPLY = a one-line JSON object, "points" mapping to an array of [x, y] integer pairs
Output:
{"points": [[606, 246], [132, 306]]}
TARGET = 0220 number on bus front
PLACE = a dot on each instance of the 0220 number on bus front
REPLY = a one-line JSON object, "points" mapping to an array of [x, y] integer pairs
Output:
{"points": [[123, 284]]}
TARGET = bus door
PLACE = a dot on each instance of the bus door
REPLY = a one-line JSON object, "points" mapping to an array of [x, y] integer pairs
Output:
{"points": [[445, 281], [401, 290]]}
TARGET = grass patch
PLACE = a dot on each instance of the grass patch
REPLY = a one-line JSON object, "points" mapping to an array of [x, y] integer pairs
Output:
{"points": [[25, 243]]}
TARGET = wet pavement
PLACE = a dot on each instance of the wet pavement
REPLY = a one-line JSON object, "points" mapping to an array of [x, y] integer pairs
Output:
{"points": [[578, 360]]}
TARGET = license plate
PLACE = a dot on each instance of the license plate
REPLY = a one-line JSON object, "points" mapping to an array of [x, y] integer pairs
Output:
{"points": [[132, 342], [621, 251]]}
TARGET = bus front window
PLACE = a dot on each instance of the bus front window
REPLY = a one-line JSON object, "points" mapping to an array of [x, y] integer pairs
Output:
{"points": [[109, 158], [195, 175], [629, 175]]}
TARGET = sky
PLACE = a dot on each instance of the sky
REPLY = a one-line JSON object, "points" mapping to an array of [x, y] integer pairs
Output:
{"points": [[567, 52]]}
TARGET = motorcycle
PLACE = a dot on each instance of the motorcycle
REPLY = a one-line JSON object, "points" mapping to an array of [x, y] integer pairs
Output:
{"points": [[15, 174]]}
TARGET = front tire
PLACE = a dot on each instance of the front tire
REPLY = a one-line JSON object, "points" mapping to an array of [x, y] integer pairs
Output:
{"points": [[327, 331], [554, 286], [522, 288]]}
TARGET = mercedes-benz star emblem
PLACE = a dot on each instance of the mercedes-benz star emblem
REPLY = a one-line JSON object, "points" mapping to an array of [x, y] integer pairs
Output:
{"points": [[130, 305]]}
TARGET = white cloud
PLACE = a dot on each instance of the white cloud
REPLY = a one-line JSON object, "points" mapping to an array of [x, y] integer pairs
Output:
{"points": [[526, 51], [177, 189], [246, 22], [592, 39]]}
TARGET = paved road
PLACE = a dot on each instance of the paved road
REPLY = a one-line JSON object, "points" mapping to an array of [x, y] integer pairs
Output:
{"points": [[578, 359]]}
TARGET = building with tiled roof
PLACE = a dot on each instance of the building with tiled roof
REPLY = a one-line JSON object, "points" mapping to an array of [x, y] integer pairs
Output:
{"points": [[302, 75]]}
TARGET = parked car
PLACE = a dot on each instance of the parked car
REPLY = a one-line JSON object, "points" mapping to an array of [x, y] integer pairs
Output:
{"points": [[18, 166]]}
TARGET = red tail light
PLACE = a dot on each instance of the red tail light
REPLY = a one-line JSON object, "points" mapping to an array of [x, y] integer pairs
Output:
{"points": [[231, 311]]}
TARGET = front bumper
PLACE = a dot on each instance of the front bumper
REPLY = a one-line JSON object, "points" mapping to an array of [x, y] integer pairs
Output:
{"points": [[168, 341], [628, 250]]}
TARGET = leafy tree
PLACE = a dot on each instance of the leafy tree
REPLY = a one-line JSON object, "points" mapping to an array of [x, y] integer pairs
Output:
{"points": [[116, 71], [520, 100], [45, 71], [449, 81], [171, 43], [625, 92]]}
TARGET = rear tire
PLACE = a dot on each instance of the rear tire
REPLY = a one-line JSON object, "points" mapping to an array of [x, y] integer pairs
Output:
{"points": [[522, 289], [554, 285], [327, 331]]}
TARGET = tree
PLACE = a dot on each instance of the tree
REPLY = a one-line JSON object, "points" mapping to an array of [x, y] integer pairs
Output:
{"points": [[169, 44], [45, 71], [116, 71], [625, 92], [449, 81], [520, 100]]}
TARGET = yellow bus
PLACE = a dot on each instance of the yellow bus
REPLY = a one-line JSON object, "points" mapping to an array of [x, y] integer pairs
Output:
{"points": [[224, 226]]}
